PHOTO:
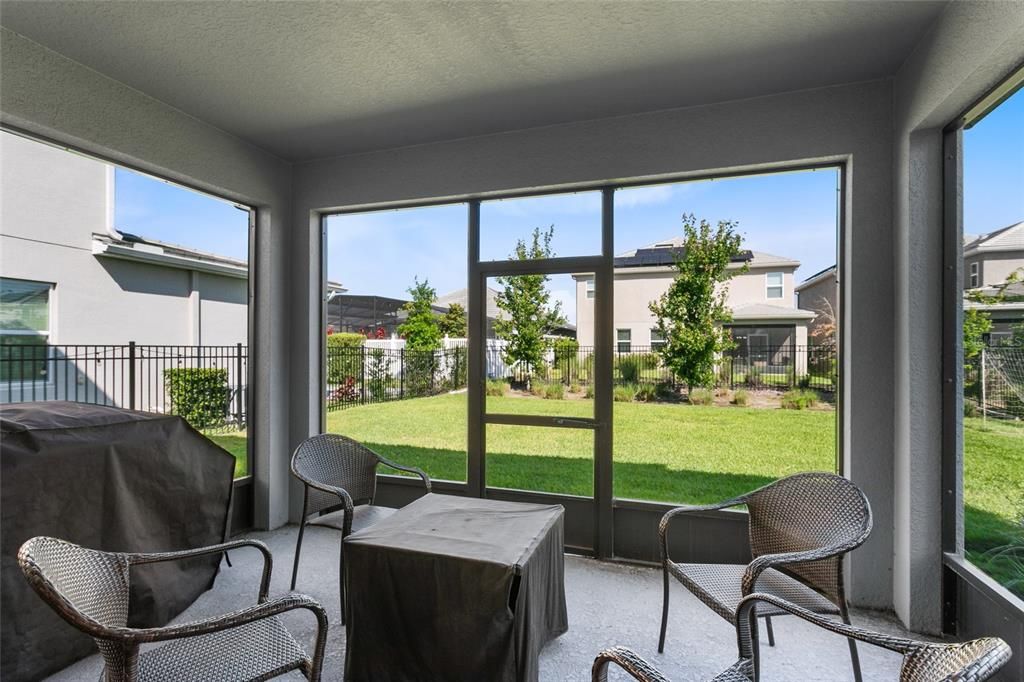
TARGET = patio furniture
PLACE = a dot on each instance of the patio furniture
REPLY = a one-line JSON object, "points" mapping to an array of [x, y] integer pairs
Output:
{"points": [[971, 661], [340, 482], [111, 479], [800, 528], [455, 588], [89, 589]]}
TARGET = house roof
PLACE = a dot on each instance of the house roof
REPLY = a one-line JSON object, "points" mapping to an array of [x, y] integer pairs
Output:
{"points": [[765, 311], [1009, 238], [128, 246], [664, 254], [461, 296], [820, 276]]}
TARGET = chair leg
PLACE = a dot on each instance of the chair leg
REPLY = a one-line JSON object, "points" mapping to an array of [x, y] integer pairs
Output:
{"points": [[771, 632], [341, 578], [854, 656], [298, 542], [755, 644], [664, 612]]}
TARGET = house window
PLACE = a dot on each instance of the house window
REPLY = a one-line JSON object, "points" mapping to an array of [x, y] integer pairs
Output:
{"points": [[974, 275], [774, 280], [590, 287], [624, 338], [24, 329], [657, 339]]}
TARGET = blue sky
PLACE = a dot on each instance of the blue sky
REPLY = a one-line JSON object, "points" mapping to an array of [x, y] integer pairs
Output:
{"points": [[789, 214]]}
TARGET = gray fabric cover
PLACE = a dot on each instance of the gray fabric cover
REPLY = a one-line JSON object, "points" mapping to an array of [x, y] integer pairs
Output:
{"points": [[454, 588], [108, 479]]}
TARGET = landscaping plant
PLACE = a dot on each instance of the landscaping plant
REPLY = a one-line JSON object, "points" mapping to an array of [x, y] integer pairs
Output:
{"points": [[344, 357], [624, 393], [700, 396], [741, 397], [496, 387], [526, 302], [798, 399], [198, 394], [691, 314], [422, 339]]}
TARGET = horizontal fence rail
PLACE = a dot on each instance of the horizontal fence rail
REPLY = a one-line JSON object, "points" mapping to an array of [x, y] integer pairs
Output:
{"points": [[382, 371], [204, 384]]}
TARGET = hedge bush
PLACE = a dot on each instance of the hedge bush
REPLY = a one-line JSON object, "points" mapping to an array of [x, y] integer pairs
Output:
{"points": [[344, 357], [198, 394]]}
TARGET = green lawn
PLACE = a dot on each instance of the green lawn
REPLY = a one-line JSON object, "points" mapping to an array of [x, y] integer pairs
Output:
{"points": [[235, 443], [664, 452], [994, 498]]}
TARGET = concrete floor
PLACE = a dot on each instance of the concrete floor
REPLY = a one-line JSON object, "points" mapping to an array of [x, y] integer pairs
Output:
{"points": [[608, 604]]}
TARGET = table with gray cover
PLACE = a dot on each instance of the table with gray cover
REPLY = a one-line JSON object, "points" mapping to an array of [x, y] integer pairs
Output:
{"points": [[108, 479], [454, 588]]}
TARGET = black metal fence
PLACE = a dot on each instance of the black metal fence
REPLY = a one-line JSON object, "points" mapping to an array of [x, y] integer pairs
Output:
{"points": [[758, 368], [357, 376], [205, 384], [994, 383]]}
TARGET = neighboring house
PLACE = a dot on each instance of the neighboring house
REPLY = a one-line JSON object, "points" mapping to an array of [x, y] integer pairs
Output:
{"points": [[991, 258], [988, 261], [69, 277], [761, 299], [820, 293]]}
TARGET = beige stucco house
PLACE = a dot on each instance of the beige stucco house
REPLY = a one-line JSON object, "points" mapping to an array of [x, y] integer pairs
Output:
{"points": [[761, 299], [989, 260]]}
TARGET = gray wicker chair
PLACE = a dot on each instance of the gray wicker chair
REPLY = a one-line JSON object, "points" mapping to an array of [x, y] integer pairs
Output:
{"points": [[800, 528], [89, 589], [972, 661], [340, 482]]}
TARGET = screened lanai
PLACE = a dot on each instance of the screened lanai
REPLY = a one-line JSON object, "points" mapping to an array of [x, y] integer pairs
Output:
{"points": [[327, 113]]}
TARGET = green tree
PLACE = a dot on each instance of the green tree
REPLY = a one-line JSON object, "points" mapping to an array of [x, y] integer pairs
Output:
{"points": [[526, 302], [691, 313], [453, 323], [420, 329], [422, 339]]}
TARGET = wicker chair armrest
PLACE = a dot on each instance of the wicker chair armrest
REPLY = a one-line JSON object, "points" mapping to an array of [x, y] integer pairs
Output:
{"points": [[629, 661], [408, 469], [268, 559], [687, 509], [900, 645], [762, 563], [229, 620]]}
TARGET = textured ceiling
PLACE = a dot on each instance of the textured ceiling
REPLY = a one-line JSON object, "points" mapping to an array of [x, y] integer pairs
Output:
{"points": [[307, 80]]}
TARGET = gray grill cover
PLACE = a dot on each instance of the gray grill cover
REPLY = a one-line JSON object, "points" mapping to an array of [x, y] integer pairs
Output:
{"points": [[454, 588], [108, 479]]}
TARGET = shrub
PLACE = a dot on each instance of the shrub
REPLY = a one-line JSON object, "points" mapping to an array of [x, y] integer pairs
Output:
{"points": [[666, 390], [799, 399], [804, 381], [646, 393], [589, 391], [701, 396], [344, 357], [554, 391], [198, 394], [496, 387], [419, 372], [970, 408], [740, 397], [624, 393], [632, 366], [574, 388]]}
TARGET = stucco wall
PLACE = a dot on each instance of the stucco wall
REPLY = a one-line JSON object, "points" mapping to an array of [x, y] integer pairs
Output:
{"points": [[635, 290], [850, 123], [968, 51], [51, 203], [48, 95]]}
